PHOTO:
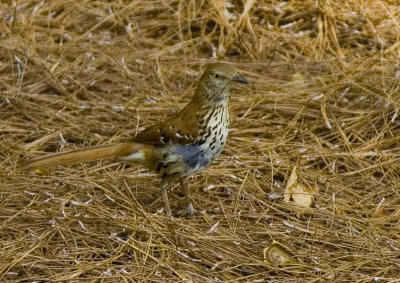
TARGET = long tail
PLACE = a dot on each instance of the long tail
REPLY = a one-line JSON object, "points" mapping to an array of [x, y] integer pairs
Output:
{"points": [[85, 154]]}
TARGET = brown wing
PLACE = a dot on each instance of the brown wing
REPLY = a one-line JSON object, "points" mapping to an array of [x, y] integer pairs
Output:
{"points": [[180, 129]]}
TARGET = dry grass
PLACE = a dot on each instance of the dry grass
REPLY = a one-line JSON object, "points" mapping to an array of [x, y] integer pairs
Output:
{"points": [[324, 96]]}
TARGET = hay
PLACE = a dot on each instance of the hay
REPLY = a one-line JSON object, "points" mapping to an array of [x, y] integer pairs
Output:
{"points": [[323, 97]]}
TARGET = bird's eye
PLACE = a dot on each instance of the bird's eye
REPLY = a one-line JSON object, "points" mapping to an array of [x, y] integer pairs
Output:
{"points": [[216, 76]]}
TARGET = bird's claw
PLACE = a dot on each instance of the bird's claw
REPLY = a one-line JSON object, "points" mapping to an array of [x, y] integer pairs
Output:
{"points": [[189, 211]]}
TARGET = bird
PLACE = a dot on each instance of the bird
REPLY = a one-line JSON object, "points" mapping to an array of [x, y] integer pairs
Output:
{"points": [[176, 147]]}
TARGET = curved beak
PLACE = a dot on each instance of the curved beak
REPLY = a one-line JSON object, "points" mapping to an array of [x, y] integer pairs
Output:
{"points": [[240, 79]]}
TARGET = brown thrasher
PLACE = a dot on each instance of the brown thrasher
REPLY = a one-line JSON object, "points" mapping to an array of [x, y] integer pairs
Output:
{"points": [[177, 147]]}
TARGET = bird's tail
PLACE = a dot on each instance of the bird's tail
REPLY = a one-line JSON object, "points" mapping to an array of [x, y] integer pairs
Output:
{"points": [[121, 150]]}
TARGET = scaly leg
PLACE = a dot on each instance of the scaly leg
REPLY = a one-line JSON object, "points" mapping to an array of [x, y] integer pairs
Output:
{"points": [[189, 210], [164, 187]]}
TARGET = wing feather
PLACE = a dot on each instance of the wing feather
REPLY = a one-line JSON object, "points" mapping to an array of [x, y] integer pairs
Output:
{"points": [[180, 129]]}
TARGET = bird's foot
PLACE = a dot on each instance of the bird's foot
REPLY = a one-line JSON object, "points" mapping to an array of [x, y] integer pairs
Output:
{"points": [[189, 211]]}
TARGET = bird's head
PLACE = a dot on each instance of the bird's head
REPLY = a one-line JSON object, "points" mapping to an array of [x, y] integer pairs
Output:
{"points": [[217, 81]]}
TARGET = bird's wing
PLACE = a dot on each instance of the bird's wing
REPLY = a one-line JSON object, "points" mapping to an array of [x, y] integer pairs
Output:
{"points": [[180, 129]]}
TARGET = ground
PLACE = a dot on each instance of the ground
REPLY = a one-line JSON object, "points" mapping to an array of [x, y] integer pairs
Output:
{"points": [[323, 98]]}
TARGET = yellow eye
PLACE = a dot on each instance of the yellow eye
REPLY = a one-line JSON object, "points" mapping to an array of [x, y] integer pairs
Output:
{"points": [[216, 76]]}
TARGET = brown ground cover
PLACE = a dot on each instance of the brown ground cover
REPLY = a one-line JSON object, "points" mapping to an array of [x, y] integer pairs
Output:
{"points": [[324, 97]]}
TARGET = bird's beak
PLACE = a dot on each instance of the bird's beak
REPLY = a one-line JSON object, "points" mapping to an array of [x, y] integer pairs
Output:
{"points": [[240, 79]]}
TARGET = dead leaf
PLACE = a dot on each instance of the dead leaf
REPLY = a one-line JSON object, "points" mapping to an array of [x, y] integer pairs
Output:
{"points": [[278, 254], [299, 193], [290, 183]]}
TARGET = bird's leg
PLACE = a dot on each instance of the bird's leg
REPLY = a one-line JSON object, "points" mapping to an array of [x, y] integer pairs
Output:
{"points": [[164, 187], [189, 209]]}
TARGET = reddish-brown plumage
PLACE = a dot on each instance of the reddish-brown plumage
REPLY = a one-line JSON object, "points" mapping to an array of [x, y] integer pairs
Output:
{"points": [[180, 129], [87, 154], [178, 146]]}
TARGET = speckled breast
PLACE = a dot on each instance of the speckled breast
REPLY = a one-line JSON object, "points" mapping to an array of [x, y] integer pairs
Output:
{"points": [[182, 160]]}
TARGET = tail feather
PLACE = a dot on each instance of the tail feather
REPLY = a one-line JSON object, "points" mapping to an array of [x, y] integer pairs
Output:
{"points": [[84, 155]]}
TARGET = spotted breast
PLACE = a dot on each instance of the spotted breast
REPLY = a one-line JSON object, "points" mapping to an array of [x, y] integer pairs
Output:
{"points": [[182, 160]]}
